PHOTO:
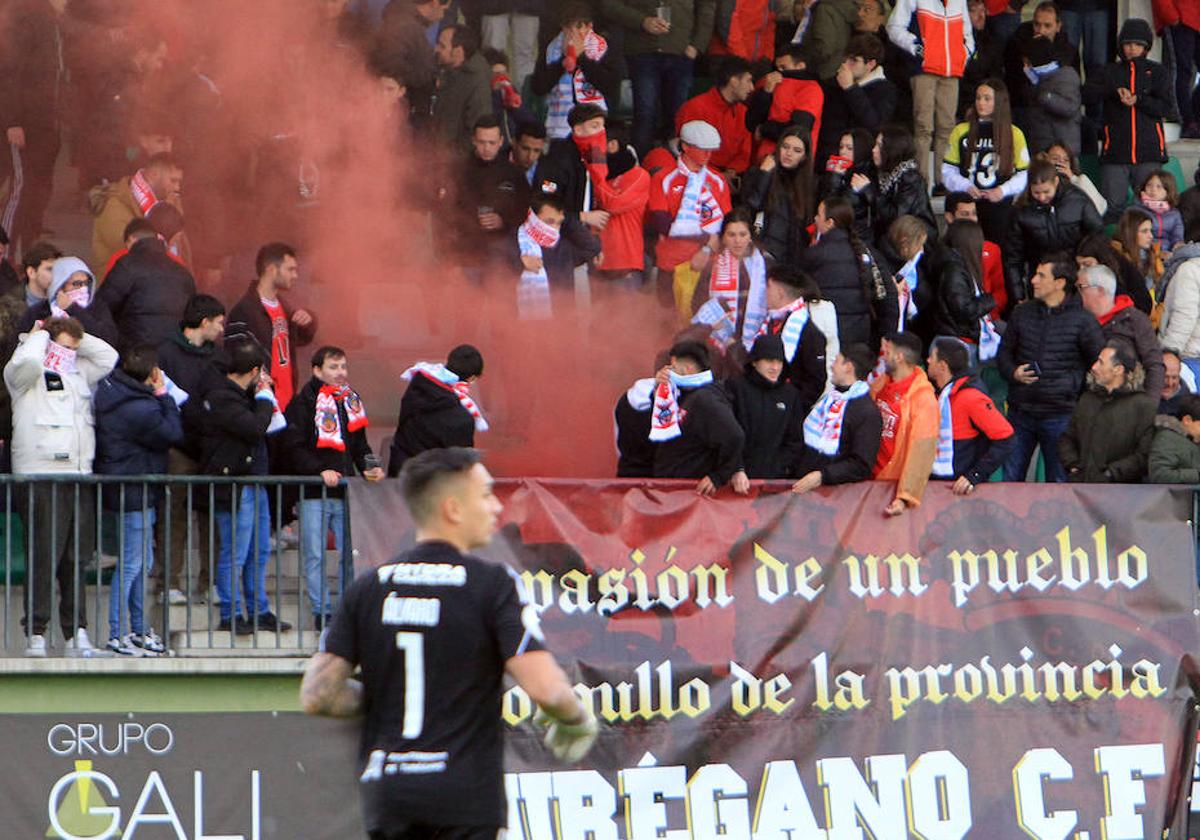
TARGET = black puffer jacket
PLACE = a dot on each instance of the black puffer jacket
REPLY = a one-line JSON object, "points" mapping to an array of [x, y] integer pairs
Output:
{"points": [[300, 439], [834, 265], [711, 443], [838, 184], [960, 302], [769, 415], [1040, 229], [1132, 134], [908, 195], [146, 292], [784, 235], [431, 417], [1063, 341]]}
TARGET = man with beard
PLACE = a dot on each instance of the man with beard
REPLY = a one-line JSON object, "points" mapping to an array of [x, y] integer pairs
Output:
{"points": [[908, 444]]}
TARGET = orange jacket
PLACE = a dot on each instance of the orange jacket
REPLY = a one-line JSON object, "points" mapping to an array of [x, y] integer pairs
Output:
{"points": [[789, 96], [916, 438], [940, 28]]}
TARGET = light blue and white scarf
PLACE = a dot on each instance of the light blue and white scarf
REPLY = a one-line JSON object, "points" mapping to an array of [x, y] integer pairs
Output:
{"points": [[823, 426], [666, 417], [908, 302], [572, 88], [943, 465], [699, 213]]}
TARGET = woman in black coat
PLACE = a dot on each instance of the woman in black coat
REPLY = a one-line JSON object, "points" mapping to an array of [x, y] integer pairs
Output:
{"points": [[900, 189], [1051, 215], [1097, 249], [961, 302], [853, 158], [780, 193]]}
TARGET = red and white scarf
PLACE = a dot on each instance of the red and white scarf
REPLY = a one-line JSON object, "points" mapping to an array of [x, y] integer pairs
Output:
{"points": [[143, 195], [533, 289], [329, 421], [823, 426], [59, 359], [699, 211], [572, 87], [443, 377]]}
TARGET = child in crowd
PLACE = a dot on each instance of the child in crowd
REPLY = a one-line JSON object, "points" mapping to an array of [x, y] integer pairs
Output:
{"points": [[1158, 196]]}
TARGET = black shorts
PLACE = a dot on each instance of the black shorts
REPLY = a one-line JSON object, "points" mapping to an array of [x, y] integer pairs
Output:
{"points": [[425, 831]]}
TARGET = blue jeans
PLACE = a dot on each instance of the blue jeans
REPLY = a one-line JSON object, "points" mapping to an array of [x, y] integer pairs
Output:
{"points": [[126, 595], [1031, 431], [1003, 27], [1090, 28], [317, 516], [248, 552], [1186, 42], [661, 84]]}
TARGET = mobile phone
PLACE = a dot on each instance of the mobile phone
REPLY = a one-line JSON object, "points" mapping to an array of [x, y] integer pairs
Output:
{"points": [[1036, 368], [371, 462]]}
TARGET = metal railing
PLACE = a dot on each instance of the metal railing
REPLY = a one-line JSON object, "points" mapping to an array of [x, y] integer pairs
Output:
{"points": [[41, 563]]}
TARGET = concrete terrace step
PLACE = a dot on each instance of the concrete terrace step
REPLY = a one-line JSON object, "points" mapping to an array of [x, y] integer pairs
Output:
{"points": [[221, 643]]}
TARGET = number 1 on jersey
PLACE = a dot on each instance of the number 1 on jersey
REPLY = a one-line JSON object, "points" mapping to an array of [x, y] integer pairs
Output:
{"points": [[413, 645]]}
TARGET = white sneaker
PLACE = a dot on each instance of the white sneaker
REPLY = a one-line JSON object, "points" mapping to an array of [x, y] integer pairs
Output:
{"points": [[79, 644], [150, 644], [176, 598], [36, 646], [121, 646]]}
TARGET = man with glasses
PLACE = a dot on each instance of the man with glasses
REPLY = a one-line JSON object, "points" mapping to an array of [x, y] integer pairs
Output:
{"points": [[72, 293]]}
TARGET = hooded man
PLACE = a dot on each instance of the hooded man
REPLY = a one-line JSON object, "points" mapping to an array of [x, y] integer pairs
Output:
{"points": [[842, 432], [437, 410], [908, 444], [767, 408], [71, 293]]}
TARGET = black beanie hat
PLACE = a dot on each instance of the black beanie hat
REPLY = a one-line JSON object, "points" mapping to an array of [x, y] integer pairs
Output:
{"points": [[767, 347], [1136, 31]]}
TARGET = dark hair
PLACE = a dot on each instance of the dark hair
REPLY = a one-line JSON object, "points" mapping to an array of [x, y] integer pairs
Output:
{"points": [[730, 67], [463, 36], [140, 362], [864, 141], [1062, 266], [245, 354], [465, 361], [1189, 208], [840, 211], [798, 282], [535, 130], [1188, 406], [866, 46], [897, 147], [329, 351], [383, 64], [55, 327], [1123, 354], [1098, 247], [162, 160], [583, 113], [738, 215], [494, 56], [1167, 180], [693, 350], [1002, 128], [908, 343], [796, 52], [273, 253], [861, 357], [956, 198], [541, 200], [966, 238], [38, 253], [574, 11], [486, 121], [954, 353], [423, 476], [200, 308], [165, 218], [1072, 158], [3, 236], [1126, 234], [794, 186], [1048, 6], [138, 228], [1040, 172]]}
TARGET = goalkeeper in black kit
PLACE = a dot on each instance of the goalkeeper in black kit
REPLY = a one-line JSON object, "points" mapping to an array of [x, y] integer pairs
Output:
{"points": [[434, 632]]}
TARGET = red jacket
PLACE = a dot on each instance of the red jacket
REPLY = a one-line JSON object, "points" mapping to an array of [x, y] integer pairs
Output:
{"points": [[621, 240], [749, 31], [993, 278], [789, 96], [666, 194], [1172, 12], [729, 120]]}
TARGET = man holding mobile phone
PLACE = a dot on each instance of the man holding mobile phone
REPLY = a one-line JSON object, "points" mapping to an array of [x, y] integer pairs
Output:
{"points": [[326, 436], [1045, 354]]}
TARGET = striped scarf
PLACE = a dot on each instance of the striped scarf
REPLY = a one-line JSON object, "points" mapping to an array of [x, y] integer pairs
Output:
{"points": [[445, 378], [823, 426], [789, 322], [572, 88], [533, 289], [329, 422], [908, 305], [143, 195], [666, 415], [943, 466], [723, 287], [699, 213]]}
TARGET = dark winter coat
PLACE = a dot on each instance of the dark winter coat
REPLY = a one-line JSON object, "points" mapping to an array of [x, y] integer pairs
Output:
{"points": [[1040, 229], [1132, 134], [960, 302], [234, 426], [635, 452], [196, 370], [862, 428], [248, 318], [767, 412], [987, 62], [711, 443], [95, 318], [134, 430], [499, 184], [464, 95], [1174, 456], [807, 369], [838, 184], [1110, 434], [561, 173], [604, 75], [868, 106], [401, 43], [300, 439], [784, 235], [431, 417], [34, 88], [1063, 341], [840, 275], [907, 196], [146, 292], [1021, 91], [1134, 327]]}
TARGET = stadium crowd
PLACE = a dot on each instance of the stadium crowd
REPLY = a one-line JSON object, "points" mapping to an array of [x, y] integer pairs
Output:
{"points": [[770, 188]]}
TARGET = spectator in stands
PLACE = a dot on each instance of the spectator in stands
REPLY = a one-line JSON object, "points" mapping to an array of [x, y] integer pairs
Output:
{"points": [[270, 320], [1179, 20], [574, 163], [1042, 36], [437, 410], [731, 293], [192, 360], [71, 293], [519, 20], [1112, 427], [686, 208], [745, 28], [1054, 97], [137, 422], [901, 189], [987, 158], [1097, 249], [1179, 290], [483, 205], [842, 432], [631, 424], [402, 44], [1158, 197], [1137, 96], [507, 105], [916, 279], [930, 31], [987, 62], [960, 205], [528, 146], [766, 407], [908, 443], [696, 433], [9, 278], [781, 190], [723, 106], [1067, 164], [623, 193], [851, 157], [1119, 319], [577, 68], [1051, 215], [50, 378], [464, 88], [1086, 26], [851, 276], [237, 415], [326, 436], [146, 292], [1174, 388], [1133, 242], [859, 95], [1045, 353], [660, 54], [1175, 450], [829, 31], [796, 313], [962, 306], [974, 439], [161, 179], [786, 98]]}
